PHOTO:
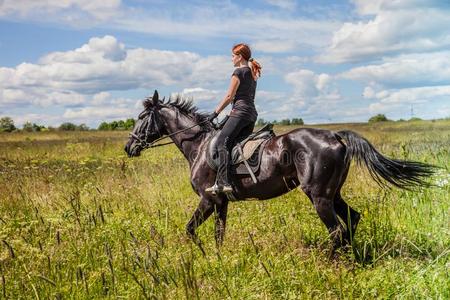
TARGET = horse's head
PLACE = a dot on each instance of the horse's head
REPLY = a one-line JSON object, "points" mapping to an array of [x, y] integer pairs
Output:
{"points": [[148, 128]]}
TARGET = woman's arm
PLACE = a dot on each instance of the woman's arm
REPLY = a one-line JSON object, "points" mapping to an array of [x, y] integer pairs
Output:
{"points": [[234, 84]]}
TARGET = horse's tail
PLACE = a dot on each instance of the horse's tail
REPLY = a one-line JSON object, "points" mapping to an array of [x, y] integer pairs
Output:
{"points": [[402, 174]]}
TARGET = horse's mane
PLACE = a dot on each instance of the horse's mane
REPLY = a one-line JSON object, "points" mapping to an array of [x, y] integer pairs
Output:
{"points": [[185, 106]]}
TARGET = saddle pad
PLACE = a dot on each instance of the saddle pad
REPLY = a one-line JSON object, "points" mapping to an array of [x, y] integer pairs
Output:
{"points": [[254, 161], [248, 150]]}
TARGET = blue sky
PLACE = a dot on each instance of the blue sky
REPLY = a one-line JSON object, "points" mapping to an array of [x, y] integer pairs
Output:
{"points": [[87, 61]]}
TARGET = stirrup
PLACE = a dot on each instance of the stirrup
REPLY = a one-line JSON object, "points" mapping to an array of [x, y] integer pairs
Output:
{"points": [[216, 189]]}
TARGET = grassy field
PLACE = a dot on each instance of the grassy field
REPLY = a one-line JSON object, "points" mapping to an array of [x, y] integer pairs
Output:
{"points": [[78, 219]]}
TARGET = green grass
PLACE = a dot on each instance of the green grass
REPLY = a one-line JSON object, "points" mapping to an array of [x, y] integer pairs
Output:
{"points": [[78, 219]]}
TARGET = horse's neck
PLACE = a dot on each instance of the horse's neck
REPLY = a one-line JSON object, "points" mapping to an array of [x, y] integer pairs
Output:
{"points": [[187, 141]]}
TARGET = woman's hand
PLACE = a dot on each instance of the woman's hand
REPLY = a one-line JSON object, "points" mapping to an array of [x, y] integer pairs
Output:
{"points": [[212, 116]]}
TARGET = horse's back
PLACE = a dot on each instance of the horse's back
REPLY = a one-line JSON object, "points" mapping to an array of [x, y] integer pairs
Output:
{"points": [[309, 139]]}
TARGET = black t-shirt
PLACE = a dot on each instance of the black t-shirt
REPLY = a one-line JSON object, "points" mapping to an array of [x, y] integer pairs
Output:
{"points": [[243, 102]]}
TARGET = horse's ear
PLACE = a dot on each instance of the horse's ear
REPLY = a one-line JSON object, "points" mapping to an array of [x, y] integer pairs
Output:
{"points": [[155, 98]]}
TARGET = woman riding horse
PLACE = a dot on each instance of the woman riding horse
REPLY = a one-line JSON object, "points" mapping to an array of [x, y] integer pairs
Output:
{"points": [[242, 118]]}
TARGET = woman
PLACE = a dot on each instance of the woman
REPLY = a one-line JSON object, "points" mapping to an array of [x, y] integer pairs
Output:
{"points": [[242, 117]]}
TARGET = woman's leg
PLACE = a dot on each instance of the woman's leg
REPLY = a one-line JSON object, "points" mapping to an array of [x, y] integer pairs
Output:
{"points": [[233, 128]]}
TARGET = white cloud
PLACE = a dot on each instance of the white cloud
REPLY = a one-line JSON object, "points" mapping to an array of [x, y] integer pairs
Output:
{"points": [[368, 92], [101, 98], [413, 95], [397, 27], [398, 102], [270, 31], [39, 97], [275, 34], [313, 98], [406, 70], [304, 82], [376, 6], [202, 96], [275, 45], [100, 113], [309, 85], [104, 64], [284, 4], [38, 118], [79, 82], [273, 105], [65, 11], [400, 46]]}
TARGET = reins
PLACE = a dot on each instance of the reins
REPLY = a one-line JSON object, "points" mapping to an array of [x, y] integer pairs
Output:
{"points": [[146, 145]]}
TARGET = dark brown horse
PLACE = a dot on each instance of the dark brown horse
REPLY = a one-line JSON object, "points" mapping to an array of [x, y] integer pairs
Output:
{"points": [[316, 160]]}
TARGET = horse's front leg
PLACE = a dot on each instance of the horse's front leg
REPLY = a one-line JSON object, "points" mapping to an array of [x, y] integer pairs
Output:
{"points": [[204, 210], [220, 220]]}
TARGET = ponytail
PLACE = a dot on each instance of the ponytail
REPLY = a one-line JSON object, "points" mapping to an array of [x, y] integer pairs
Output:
{"points": [[244, 50], [255, 67]]}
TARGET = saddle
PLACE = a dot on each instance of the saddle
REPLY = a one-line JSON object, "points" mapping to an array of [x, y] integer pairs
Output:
{"points": [[245, 157]]}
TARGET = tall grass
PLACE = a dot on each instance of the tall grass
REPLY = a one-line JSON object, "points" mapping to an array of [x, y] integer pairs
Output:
{"points": [[78, 219]]}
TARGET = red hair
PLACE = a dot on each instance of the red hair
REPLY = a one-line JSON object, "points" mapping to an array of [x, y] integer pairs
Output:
{"points": [[244, 50]]}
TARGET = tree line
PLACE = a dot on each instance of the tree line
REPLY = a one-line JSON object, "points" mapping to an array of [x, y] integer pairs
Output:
{"points": [[128, 124], [383, 118], [293, 121], [7, 124]]}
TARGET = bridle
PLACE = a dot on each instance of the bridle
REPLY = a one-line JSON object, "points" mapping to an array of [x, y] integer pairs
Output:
{"points": [[145, 145]]}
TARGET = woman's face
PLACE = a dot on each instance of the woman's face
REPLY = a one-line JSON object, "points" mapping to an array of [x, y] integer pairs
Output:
{"points": [[236, 59]]}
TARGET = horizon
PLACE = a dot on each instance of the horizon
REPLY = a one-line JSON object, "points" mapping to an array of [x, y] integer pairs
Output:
{"points": [[327, 62], [274, 122]]}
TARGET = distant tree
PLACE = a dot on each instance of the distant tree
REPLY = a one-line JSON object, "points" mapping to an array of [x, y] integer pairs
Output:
{"points": [[37, 127], [113, 125], [7, 124], [285, 122], [28, 127], [32, 127], [67, 127], [82, 127], [261, 122], [297, 121], [120, 125], [413, 119], [104, 126], [129, 124], [378, 118]]}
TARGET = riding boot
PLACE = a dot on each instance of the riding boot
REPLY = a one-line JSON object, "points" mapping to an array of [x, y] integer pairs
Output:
{"points": [[222, 177], [222, 184]]}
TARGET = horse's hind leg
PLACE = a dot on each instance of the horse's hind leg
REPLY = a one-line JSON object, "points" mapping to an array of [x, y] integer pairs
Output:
{"points": [[320, 186], [348, 215], [325, 209]]}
